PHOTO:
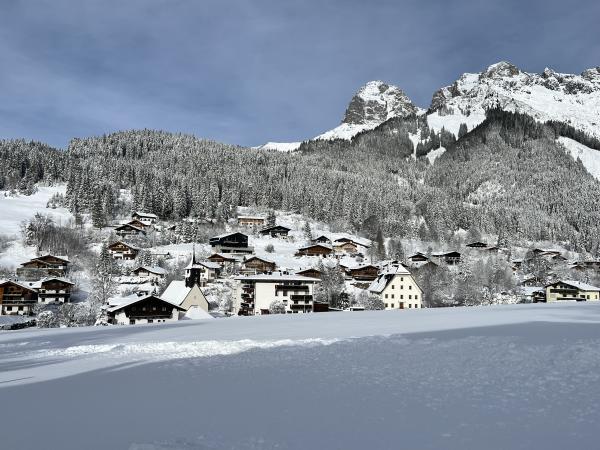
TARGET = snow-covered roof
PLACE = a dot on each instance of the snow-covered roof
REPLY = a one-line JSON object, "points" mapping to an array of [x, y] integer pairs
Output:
{"points": [[379, 284], [251, 217], [152, 269], [176, 292], [229, 256], [207, 264], [231, 233], [196, 313], [276, 277], [137, 299], [260, 258], [143, 214], [29, 286], [577, 284], [130, 226]]}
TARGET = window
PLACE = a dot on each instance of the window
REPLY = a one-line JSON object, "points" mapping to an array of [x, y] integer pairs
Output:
{"points": [[401, 297], [409, 286], [401, 279], [386, 296], [416, 296], [385, 304], [164, 308], [392, 305], [410, 305], [410, 297], [401, 286], [131, 321], [392, 296], [392, 286], [150, 321]]}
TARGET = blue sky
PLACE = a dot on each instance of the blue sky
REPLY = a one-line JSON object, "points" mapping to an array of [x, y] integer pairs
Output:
{"points": [[246, 72]]}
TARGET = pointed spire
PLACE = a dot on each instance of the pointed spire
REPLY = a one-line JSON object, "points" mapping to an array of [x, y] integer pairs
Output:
{"points": [[193, 253]]}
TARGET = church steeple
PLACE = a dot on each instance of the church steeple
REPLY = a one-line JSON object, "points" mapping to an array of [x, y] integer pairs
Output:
{"points": [[193, 271]]}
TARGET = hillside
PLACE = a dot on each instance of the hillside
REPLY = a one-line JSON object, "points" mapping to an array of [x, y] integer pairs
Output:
{"points": [[414, 379]]}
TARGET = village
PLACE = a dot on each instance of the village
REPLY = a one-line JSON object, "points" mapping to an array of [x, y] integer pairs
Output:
{"points": [[293, 273]]}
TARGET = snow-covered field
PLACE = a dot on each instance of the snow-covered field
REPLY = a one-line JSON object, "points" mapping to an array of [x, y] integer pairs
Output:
{"points": [[505, 377], [14, 210], [589, 157]]}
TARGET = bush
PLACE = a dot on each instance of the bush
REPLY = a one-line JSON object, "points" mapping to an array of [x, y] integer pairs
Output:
{"points": [[277, 307]]}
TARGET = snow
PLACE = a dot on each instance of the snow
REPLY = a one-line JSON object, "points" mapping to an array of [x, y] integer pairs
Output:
{"points": [[589, 157], [456, 378], [435, 154], [20, 208], [176, 292], [195, 313], [15, 254], [280, 146]]}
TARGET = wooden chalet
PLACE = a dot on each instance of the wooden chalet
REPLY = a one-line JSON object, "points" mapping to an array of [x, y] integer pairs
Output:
{"points": [[122, 250], [146, 218], [129, 230], [449, 258], [322, 240], [44, 266], [418, 259], [477, 244], [255, 265], [367, 272], [150, 273], [54, 290], [231, 243], [225, 261], [315, 250], [17, 298], [310, 273], [346, 247], [277, 231], [149, 309], [251, 221], [138, 224]]}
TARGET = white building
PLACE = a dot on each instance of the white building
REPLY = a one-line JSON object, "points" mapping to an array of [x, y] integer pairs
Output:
{"points": [[146, 218], [397, 288], [255, 293], [201, 272], [185, 296]]}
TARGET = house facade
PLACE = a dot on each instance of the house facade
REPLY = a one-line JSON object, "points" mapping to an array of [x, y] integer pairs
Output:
{"points": [[251, 221], [366, 272], [147, 273], [147, 219], [397, 289], [54, 290], [571, 290], [231, 243], [315, 250], [122, 250], [150, 309], [186, 297], [255, 264], [129, 230], [44, 266], [17, 298], [201, 272], [228, 262], [277, 231], [255, 293]]}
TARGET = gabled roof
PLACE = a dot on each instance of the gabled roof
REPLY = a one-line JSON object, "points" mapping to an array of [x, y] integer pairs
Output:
{"points": [[364, 266], [221, 236], [442, 254], [133, 247], [220, 255], [143, 214], [207, 264], [20, 284], [576, 284], [260, 259], [252, 217], [276, 277], [62, 280], [133, 301], [274, 227], [379, 284], [476, 244], [418, 254], [128, 225], [325, 246], [153, 269]]}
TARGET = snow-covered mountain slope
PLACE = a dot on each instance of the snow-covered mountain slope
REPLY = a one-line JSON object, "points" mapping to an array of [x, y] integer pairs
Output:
{"points": [[573, 99], [589, 157], [448, 378], [373, 104], [280, 146]]}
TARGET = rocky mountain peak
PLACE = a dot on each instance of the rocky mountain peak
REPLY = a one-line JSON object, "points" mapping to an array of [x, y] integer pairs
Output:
{"points": [[377, 102]]}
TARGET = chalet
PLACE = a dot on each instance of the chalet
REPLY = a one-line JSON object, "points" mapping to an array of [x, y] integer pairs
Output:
{"points": [[150, 309], [322, 240], [477, 244], [397, 289], [351, 244], [44, 266], [186, 297], [146, 218], [231, 243], [122, 250], [571, 290], [129, 230], [315, 250], [17, 298], [367, 272], [225, 261], [418, 259], [532, 281], [346, 247], [255, 265], [54, 290], [201, 272], [277, 231], [251, 221], [255, 293], [138, 224], [148, 273], [310, 273], [449, 258]]}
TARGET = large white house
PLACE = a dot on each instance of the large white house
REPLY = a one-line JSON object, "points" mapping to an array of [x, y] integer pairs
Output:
{"points": [[397, 288], [255, 293], [571, 290]]}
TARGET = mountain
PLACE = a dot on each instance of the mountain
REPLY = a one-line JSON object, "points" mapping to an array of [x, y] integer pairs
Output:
{"points": [[572, 99], [373, 104]]}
